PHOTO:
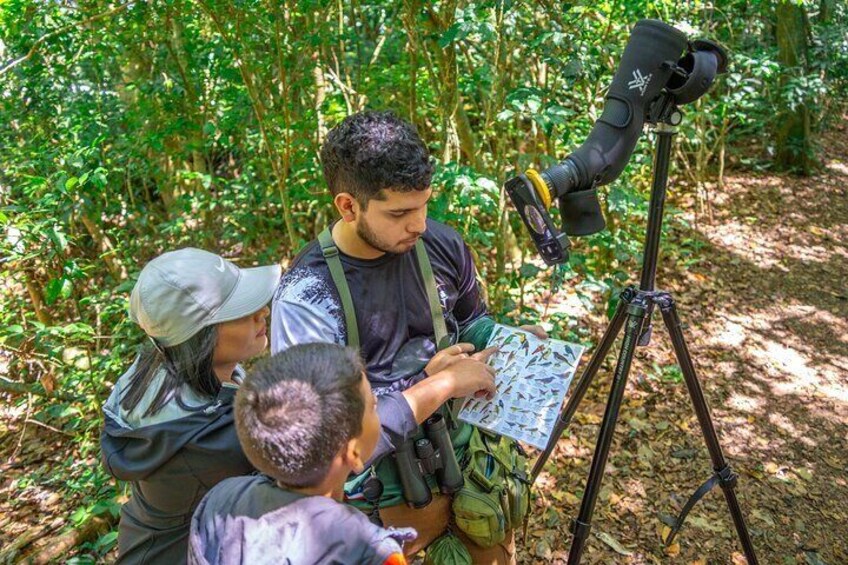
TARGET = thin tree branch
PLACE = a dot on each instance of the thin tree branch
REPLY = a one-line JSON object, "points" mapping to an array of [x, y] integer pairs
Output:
{"points": [[12, 387], [35, 46]]}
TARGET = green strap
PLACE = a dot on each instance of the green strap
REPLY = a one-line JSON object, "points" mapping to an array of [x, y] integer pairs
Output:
{"points": [[440, 331], [436, 312], [331, 255]]}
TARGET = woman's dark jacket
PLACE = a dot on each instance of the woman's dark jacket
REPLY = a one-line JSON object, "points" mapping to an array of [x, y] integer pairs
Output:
{"points": [[171, 458]]}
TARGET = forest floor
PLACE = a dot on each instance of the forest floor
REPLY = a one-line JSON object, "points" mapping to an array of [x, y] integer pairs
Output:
{"points": [[767, 325]]}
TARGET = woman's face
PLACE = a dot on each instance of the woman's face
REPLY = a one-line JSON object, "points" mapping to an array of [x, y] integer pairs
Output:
{"points": [[241, 339]]}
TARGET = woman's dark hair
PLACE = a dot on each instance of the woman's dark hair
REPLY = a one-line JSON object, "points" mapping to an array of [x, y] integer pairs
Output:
{"points": [[295, 410], [188, 363], [370, 151]]}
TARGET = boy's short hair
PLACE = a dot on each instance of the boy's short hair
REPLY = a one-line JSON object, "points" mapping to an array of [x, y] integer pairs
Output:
{"points": [[371, 151], [296, 409]]}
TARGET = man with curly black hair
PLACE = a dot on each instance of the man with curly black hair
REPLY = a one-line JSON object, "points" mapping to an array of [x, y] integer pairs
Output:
{"points": [[403, 289]]}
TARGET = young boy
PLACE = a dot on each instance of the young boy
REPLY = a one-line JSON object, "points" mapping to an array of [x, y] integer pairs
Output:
{"points": [[306, 418]]}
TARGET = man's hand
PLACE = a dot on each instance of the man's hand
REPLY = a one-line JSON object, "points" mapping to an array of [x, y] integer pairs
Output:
{"points": [[536, 330], [447, 357], [469, 376], [464, 375]]}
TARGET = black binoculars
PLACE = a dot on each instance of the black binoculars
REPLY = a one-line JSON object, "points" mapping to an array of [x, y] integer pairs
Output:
{"points": [[430, 455]]}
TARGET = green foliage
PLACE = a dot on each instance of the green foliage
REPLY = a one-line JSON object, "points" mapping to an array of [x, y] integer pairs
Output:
{"points": [[131, 129]]}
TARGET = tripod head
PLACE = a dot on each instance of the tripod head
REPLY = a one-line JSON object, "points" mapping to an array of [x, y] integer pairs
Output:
{"points": [[652, 79]]}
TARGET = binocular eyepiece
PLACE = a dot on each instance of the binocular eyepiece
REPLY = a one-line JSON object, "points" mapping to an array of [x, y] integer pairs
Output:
{"points": [[652, 78], [430, 455]]}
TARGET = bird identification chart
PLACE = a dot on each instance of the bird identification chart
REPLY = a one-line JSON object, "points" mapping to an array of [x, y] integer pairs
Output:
{"points": [[533, 377]]}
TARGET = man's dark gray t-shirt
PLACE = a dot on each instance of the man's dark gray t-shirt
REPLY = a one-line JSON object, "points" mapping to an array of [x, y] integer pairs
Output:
{"points": [[250, 520], [392, 311]]}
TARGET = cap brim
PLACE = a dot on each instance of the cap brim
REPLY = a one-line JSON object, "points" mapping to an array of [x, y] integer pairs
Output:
{"points": [[254, 290]]}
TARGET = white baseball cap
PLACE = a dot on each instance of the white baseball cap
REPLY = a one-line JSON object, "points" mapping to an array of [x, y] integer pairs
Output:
{"points": [[181, 292]]}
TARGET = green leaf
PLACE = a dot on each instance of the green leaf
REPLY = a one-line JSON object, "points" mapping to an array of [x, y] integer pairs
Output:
{"points": [[52, 290], [58, 238], [80, 515], [456, 32], [529, 270], [812, 558], [106, 542], [58, 288]]}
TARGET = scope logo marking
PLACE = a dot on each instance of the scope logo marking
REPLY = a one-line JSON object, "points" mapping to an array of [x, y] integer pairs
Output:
{"points": [[639, 82]]}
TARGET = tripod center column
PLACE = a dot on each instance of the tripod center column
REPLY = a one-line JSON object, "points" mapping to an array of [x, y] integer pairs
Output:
{"points": [[665, 131]]}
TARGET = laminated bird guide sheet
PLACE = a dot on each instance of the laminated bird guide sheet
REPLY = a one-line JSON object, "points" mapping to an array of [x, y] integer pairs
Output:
{"points": [[533, 377]]}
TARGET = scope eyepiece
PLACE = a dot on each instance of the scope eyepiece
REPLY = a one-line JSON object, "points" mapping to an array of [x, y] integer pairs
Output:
{"points": [[696, 71]]}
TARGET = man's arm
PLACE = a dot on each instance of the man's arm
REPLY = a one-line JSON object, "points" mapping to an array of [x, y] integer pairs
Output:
{"points": [[462, 380], [401, 412]]}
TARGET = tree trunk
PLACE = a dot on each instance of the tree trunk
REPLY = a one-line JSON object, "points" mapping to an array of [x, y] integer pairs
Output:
{"points": [[794, 136], [37, 301], [467, 141], [320, 96], [59, 546], [448, 92], [826, 8]]}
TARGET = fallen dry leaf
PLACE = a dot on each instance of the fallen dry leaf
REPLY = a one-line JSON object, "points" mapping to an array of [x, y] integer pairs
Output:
{"points": [[614, 544]]}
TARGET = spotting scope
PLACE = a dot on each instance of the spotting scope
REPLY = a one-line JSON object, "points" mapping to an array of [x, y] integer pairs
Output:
{"points": [[660, 66]]}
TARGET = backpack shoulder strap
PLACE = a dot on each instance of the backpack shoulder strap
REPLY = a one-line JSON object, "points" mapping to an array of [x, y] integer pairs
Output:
{"points": [[331, 255], [436, 312]]}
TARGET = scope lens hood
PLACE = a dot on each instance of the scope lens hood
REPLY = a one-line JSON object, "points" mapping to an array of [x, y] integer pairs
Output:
{"points": [[715, 47], [701, 67], [581, 212]]}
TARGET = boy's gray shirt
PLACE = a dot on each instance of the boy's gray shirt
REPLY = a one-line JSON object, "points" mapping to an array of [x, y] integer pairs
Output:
{"points": [[252, 521]]}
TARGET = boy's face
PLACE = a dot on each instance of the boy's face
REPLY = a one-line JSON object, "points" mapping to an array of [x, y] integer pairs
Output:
{"points": [[370, 422], [394, 224]]}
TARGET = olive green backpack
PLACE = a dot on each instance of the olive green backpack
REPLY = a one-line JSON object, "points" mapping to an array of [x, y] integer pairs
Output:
{"points": [[496, 494]]}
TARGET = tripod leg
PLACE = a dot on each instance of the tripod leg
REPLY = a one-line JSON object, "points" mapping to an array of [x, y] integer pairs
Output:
{"points": [[724, 476], [636, 313], [585, 380]]}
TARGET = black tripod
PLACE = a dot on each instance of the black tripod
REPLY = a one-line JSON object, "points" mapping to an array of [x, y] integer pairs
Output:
{"points": [[634, 310]]}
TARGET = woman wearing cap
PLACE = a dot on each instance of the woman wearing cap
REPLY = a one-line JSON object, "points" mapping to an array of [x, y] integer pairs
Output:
{"points": [[169, 420]]}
